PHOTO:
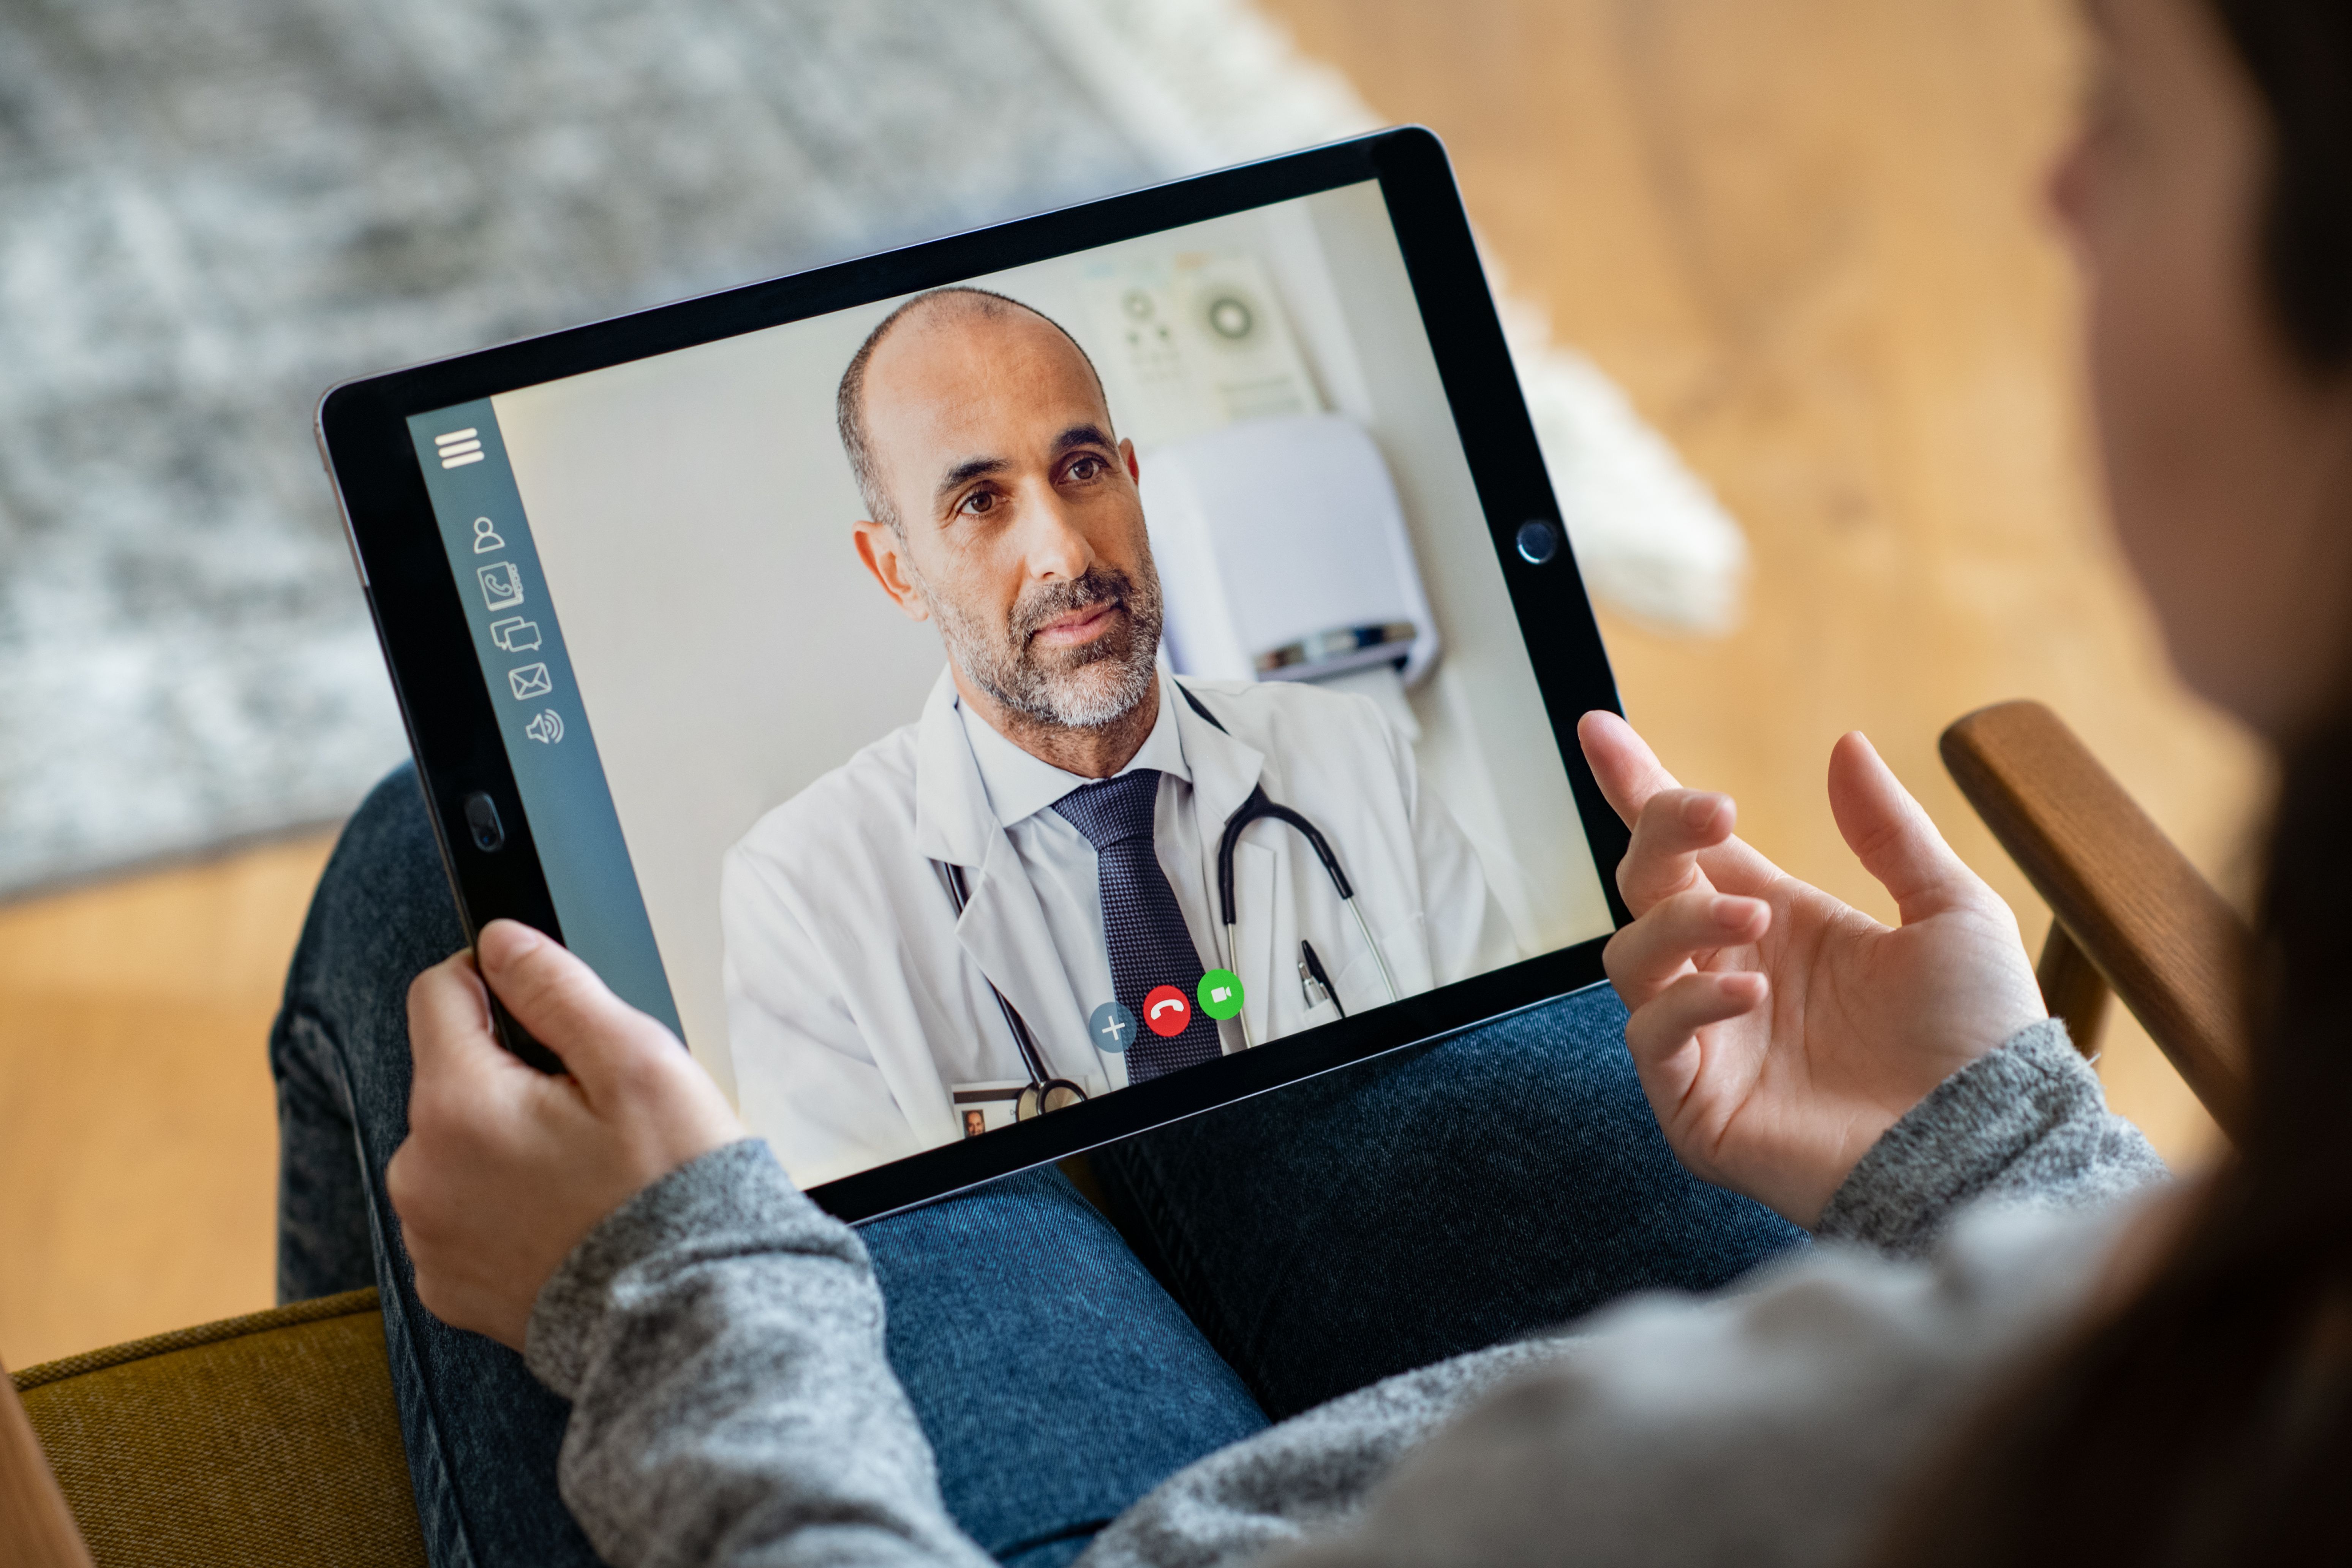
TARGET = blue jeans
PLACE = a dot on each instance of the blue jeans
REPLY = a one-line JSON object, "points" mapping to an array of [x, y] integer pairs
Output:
{"points": [[1294, 1246]]}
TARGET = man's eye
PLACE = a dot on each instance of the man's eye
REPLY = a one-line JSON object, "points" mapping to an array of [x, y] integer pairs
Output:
{"points": [[979, 503], [1086, 468]]}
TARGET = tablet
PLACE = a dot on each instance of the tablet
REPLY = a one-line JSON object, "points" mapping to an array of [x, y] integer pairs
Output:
{"points": [[998, 696]]}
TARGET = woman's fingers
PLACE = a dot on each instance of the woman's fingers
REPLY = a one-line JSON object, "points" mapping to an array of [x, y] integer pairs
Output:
{"points": [[568, 1008], [1645, 958], [1671, 824], [1674, 828], [633, 1073], [1892, 834], [1666, 1025], [1628, 772], [448, 1011], [1661, 862], [456, 1055]]}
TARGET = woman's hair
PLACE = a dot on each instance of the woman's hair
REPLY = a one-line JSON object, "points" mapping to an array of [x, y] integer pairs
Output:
{"points": [[2208, 1420], [2300, 55]]}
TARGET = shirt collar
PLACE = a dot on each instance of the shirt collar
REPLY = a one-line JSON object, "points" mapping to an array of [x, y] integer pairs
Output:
{"points": [[1019, 785]]}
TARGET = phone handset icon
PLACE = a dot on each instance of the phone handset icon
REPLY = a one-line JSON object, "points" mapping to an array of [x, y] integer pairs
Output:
{"points": [[501, 584], [1166, 1010]]}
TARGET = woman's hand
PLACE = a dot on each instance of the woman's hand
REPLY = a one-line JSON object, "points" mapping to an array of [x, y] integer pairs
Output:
{"points": [[1777, 1031], [506, 1169]]}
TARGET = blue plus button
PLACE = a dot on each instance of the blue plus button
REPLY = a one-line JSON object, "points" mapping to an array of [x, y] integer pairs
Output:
{"points": [[1112, 1026]]}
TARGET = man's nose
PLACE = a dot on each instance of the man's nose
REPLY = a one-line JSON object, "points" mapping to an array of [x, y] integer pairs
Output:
{"points": [[1053, 544]]}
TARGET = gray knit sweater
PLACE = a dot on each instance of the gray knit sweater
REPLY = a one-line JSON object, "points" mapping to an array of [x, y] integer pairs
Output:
{"points": [[721, 1341]]}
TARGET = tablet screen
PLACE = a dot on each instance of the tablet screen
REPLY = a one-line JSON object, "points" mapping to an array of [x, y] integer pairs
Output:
{"points": [[977, 702]]}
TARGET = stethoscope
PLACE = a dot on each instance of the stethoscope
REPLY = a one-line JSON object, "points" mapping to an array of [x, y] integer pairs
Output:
{"points": [[1043, 1094], [1047, 1093]]}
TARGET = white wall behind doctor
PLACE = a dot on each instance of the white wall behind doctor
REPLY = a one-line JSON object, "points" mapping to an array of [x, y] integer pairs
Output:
{"points": [[692, 515]]}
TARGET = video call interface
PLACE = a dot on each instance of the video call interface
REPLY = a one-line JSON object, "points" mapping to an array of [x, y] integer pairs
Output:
{"points": [[963, 707]]}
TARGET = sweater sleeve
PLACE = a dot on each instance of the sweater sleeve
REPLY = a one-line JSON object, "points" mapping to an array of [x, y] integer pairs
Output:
{"points": [[1825, 1374], [2025, 1125], [1773, 1427], [720, 1340]]}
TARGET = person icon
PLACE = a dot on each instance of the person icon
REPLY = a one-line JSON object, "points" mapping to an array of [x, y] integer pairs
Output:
{"points": [[975, 1122], [486, 536]]}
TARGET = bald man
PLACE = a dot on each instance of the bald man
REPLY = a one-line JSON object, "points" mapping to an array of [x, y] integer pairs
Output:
{"points": [[1009, 902]]}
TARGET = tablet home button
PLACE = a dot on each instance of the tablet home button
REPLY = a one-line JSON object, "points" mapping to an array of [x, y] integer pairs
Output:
{"points": [[482, 821], [1538, 542]]}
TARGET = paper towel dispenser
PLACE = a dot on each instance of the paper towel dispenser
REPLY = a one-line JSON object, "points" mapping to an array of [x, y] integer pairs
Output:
{"points": [[1283, 553]]}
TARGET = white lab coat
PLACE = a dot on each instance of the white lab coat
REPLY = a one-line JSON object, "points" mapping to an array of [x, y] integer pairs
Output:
{"points": [[856, 999]]}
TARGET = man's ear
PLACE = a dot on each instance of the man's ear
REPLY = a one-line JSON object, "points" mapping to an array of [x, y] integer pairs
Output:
{"points": [[1127, 450], [883, 551]]}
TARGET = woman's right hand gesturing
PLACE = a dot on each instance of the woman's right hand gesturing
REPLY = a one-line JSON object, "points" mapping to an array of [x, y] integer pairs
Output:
{"points": [[1779, 1032]]}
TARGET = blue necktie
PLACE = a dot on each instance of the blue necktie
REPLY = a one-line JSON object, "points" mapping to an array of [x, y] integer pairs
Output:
{"points": [[1150, 945]]}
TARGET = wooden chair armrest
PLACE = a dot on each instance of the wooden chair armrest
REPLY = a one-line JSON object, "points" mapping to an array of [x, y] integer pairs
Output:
{"points": [[37, 1529], [2171, 947]]}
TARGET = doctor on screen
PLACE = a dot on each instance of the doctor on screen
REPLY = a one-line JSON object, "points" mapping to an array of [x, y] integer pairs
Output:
{"points": [[1014, 902]]}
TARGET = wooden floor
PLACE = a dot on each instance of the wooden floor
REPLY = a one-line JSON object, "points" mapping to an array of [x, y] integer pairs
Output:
{"points": [[1802, 233], [138, 1135]]}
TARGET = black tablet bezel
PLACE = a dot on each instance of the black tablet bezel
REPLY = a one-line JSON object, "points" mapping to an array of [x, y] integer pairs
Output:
{"points": [[413, 595]]}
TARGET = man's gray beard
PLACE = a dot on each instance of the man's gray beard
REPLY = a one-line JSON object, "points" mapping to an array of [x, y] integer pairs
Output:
{"points": [[1101, 685]]}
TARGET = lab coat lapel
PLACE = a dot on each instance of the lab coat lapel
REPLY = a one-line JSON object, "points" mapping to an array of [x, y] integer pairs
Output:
{"points": [[1003, 929], [953, 821], [1224, 768]]}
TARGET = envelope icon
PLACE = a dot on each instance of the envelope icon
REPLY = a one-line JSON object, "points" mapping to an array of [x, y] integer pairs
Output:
{"points": [[530, 680]]}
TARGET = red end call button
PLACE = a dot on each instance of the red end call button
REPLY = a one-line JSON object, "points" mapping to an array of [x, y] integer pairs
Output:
{"points": [[1167, 1010]]}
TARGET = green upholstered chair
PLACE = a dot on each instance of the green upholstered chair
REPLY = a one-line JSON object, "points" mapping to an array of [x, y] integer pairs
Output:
{"points": [[265, 1441]]}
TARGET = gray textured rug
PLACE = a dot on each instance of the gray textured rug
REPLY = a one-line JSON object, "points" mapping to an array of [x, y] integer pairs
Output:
{"points": [[212, 209]]}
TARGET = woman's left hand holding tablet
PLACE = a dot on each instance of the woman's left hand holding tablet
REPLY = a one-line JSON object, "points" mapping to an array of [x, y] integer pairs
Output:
{"points": [[1778, 1031], [506, 1169]]}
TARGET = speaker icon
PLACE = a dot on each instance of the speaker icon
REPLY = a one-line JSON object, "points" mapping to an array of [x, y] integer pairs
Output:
{"points": [[547, 729]]}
